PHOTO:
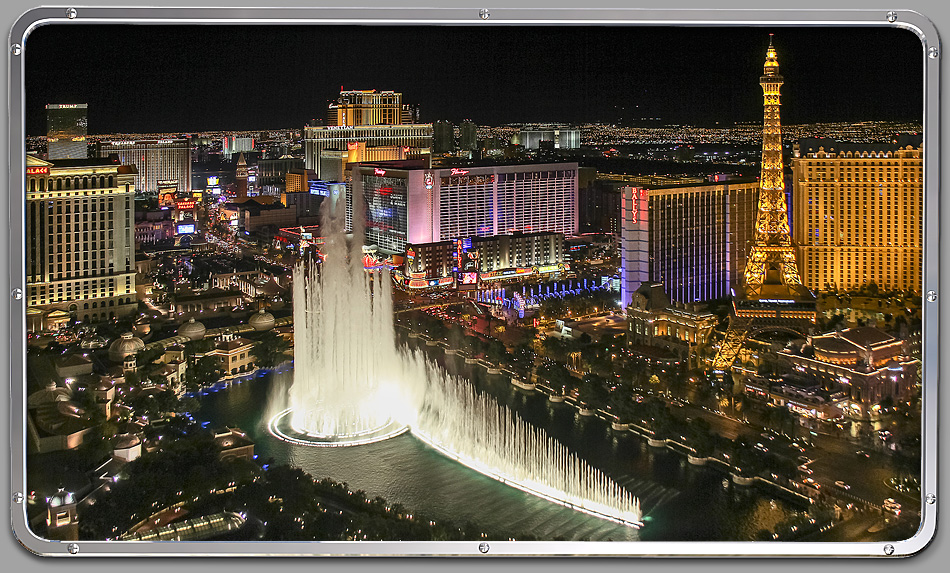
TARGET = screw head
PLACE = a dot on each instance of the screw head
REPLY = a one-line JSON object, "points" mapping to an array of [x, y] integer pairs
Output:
{"points": [[17, 497], [483, 547], [892, 17], [888, 549], [73, 548], [484, 14], [931, 498], [932, 296], [933, 53], [17, 293], [71, 14], [15, 49]]}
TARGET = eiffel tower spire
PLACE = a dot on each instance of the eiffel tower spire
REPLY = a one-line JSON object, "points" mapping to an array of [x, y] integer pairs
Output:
{"points": [[771, 269], [772, 295]]}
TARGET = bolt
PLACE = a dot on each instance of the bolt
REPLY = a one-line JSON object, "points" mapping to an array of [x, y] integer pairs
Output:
{"points": [[933, 53], [15, 49], [71, 14], [17, 497], [483, 547], [73, 548], [931, 498], [17, 293], [932, 296], [888, 549], [892, 17], [484, 14]]}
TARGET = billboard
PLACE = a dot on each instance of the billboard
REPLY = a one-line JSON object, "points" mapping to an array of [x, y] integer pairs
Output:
{"points": [[186, 229]]}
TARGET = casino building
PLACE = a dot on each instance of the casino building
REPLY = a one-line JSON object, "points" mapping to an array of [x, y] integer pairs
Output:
{"points": [[164, 165], [691, 237], [364, 125], [409, 203], [859, 213], [80, 262]]}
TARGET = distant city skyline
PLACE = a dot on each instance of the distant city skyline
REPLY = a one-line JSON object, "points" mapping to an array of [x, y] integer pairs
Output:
{"points": [[205, 78]]}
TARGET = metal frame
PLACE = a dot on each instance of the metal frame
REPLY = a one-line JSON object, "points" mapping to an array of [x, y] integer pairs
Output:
{"points": [[910, 20]]}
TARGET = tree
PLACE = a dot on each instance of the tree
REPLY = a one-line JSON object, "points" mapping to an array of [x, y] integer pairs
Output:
{"points": [[205, 371], [270, 350]]}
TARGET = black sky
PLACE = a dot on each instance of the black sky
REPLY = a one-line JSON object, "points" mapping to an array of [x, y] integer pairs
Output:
{"points": [[190, 78]]}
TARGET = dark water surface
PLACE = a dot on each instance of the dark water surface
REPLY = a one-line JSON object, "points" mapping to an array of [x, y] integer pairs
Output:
{"points": [[679, 501]]}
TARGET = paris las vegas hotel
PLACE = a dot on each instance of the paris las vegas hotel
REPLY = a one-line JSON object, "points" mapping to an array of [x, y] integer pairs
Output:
{"points": [[858, 213]]}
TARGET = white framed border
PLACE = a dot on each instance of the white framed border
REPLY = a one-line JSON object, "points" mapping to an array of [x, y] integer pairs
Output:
{"points": [[931, 54]]}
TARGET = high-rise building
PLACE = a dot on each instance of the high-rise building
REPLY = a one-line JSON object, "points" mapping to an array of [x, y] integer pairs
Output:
{"points": [[468, 136], [560, 137], [80, 263], [66, 125], [365, 125], [859, 209], [164, 165], [231, 145], [368, 107], [772, 293], [443, 137], [407, 202], [692, 237]]}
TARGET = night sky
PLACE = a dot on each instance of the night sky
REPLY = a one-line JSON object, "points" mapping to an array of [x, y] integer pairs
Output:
{"points": [[180, 79]]}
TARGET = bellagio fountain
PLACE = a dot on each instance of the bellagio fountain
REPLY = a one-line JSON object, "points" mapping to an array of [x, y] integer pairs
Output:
{"points": [[353, 385]]}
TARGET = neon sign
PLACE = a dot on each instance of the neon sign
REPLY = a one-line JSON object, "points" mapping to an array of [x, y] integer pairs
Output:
{"points": [[352, 146], [456, 171], [189, 204], [635, 205], [427, 181], [44, 170], [378, 171]]}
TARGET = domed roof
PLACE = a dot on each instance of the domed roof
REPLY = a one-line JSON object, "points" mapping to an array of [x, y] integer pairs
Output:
{"points": [[125, 441], [192, 329], [61, 497], [894, 365], [126, 345], [261, 320]]}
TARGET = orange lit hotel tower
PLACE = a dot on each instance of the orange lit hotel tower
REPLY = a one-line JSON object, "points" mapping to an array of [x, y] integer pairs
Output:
{"points": [[772, 294]]}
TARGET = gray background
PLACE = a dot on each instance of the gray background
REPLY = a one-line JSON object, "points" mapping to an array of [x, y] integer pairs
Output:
{"points": [[18, 559]]}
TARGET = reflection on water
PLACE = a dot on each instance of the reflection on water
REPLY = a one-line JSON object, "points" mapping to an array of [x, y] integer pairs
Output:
{"points": [[679, 501]]}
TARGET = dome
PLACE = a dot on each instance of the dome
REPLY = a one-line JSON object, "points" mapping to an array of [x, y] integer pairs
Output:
{"points": [[125, 441], [192, 329], [261, 320], [61, 497], [126, 345], [894, 366]]}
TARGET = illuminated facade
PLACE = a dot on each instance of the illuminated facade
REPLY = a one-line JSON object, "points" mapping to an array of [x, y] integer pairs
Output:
{"points": [[693, 238], [80, 263], [410, 204], [654, 320], [231, 144], [859, 213], [327, 150], [164, 165], [471, 260], [868, 363], [66, 125], [368, 107], [364, 125]]}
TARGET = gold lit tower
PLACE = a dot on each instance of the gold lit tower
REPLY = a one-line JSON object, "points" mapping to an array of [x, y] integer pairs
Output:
{"points": [[772, 295]]}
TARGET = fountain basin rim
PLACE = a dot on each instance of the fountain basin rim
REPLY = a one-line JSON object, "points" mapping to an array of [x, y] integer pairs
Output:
{"points": [[386, 432], [636, 524]]}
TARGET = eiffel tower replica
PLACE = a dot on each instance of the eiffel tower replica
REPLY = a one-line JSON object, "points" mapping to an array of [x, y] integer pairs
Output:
{"points": [[771, 296]]}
